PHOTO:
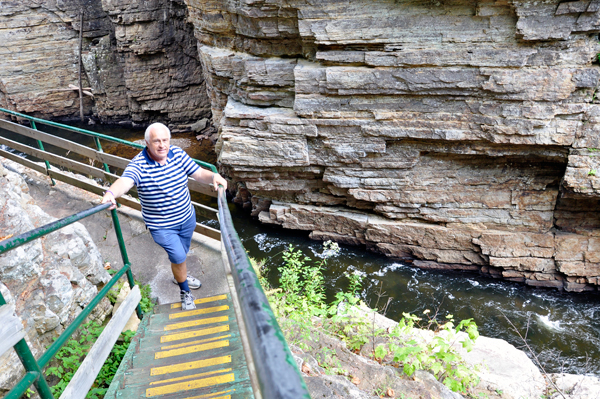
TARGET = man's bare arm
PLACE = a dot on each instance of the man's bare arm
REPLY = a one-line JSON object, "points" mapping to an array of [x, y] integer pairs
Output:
{"points": [[117, 189], [208, 177]]}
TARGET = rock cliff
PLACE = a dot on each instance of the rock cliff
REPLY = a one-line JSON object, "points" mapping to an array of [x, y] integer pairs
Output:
{"points": [[50, 279], [139, 59], [460, 134]]}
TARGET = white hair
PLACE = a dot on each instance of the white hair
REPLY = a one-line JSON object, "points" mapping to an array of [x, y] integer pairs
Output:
{"points": [[153, 126]]}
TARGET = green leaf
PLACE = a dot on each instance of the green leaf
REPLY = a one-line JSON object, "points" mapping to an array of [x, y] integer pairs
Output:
{"points": [[380, 352]]}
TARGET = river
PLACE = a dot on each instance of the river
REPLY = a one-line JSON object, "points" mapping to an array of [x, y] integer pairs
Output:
{"points": [[563, 329]]}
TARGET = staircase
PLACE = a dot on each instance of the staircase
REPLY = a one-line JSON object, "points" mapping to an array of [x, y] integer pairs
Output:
{"points": [[185, 354]]}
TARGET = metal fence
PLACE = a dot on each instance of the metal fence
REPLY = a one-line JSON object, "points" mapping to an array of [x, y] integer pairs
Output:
{"points": [[34, 374]]}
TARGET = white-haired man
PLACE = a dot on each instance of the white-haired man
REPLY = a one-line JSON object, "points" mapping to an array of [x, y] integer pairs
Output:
{"points": [[160, 173]]}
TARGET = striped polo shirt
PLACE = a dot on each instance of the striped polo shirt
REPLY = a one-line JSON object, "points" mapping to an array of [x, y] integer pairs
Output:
{"points": [[163, 189]]}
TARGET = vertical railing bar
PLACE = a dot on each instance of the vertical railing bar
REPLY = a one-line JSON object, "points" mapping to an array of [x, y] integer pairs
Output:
{"points": [[117, 224], [33, 369], [99, 148], [30, 364], [41, 147]]}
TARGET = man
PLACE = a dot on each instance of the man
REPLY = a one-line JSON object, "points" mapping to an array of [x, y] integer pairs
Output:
{"points": [[160, 173]]}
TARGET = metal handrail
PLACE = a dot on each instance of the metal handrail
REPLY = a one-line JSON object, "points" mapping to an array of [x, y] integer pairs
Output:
{"points": [[94, 134], [34, 374], [276, 369]]}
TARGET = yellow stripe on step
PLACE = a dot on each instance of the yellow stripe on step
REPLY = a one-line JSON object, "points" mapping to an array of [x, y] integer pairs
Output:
{"points": [[189, 377], [189, 385], [193, 334], [199, 341], [201, 300], [191, 349], [194, 323], [198, 364], [196, 312], [212, 395]]}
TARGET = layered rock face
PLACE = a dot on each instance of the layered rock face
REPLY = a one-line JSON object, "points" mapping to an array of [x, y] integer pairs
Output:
{"points": [[462, 134], [139, 59], [50, 279]]}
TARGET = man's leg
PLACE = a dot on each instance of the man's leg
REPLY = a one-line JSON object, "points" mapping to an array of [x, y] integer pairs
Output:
{"points": [[169, 240], [180, 274], [185, 236], [179, 271]]}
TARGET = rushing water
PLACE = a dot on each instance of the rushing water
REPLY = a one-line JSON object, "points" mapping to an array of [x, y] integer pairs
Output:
{"points": [[563, 329]]}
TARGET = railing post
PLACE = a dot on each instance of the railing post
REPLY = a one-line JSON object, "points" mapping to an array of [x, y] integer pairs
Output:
{"points": [[115, 218], [41, 146], [99, 147], [30, 364]]}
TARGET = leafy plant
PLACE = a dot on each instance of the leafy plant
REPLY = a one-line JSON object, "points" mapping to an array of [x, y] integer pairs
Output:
{"points": [[146, 303], [592, 172], [439, 354], [300, 306], [380, 352], [69, 358]]}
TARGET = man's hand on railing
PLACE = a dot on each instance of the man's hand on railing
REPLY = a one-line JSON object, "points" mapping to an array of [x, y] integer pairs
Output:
{"points": [[121, 186], [207, 177], [109, 197], [217, 180]]}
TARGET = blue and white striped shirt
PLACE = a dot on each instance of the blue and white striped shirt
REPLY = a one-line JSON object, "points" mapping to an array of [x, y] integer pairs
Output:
{"points": [[163, 189]]}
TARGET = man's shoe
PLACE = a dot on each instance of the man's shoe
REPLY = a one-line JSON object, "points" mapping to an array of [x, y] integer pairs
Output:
{"points": [[187, 300], [193, 282]]}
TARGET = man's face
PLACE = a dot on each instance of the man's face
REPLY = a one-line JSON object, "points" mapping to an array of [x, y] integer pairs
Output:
{"points": [[158, 144]]}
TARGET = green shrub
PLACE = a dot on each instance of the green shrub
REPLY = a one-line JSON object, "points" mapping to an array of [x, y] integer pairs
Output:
{"points": [[70, 356], [299, 303]]}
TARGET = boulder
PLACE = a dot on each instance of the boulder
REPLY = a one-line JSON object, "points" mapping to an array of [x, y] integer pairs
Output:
{"points": [[49, 279]]}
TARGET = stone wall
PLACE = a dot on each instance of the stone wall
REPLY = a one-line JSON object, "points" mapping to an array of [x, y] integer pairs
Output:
{"points": [[140, 60], [50, 279], [459, 134]]}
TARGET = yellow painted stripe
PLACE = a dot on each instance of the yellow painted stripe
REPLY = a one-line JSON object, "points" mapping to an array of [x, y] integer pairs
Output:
{"points": [[196, 312], [194, 323], [191, 349], [189, 385], [193, 334], [189, 377], [212, 395], [198, 364], [199, 341], [202, 300]]}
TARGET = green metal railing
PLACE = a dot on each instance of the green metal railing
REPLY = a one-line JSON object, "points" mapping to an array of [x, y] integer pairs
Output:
{"points": [[34, 374], [277, 373], [96, 136]]}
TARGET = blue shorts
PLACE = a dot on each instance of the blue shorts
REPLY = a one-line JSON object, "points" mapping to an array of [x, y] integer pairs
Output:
{"points": [[176, 240]]}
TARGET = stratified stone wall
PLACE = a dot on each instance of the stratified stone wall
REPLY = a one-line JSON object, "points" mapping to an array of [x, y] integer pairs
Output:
{"points": [[459, 133], [139, 58]]}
